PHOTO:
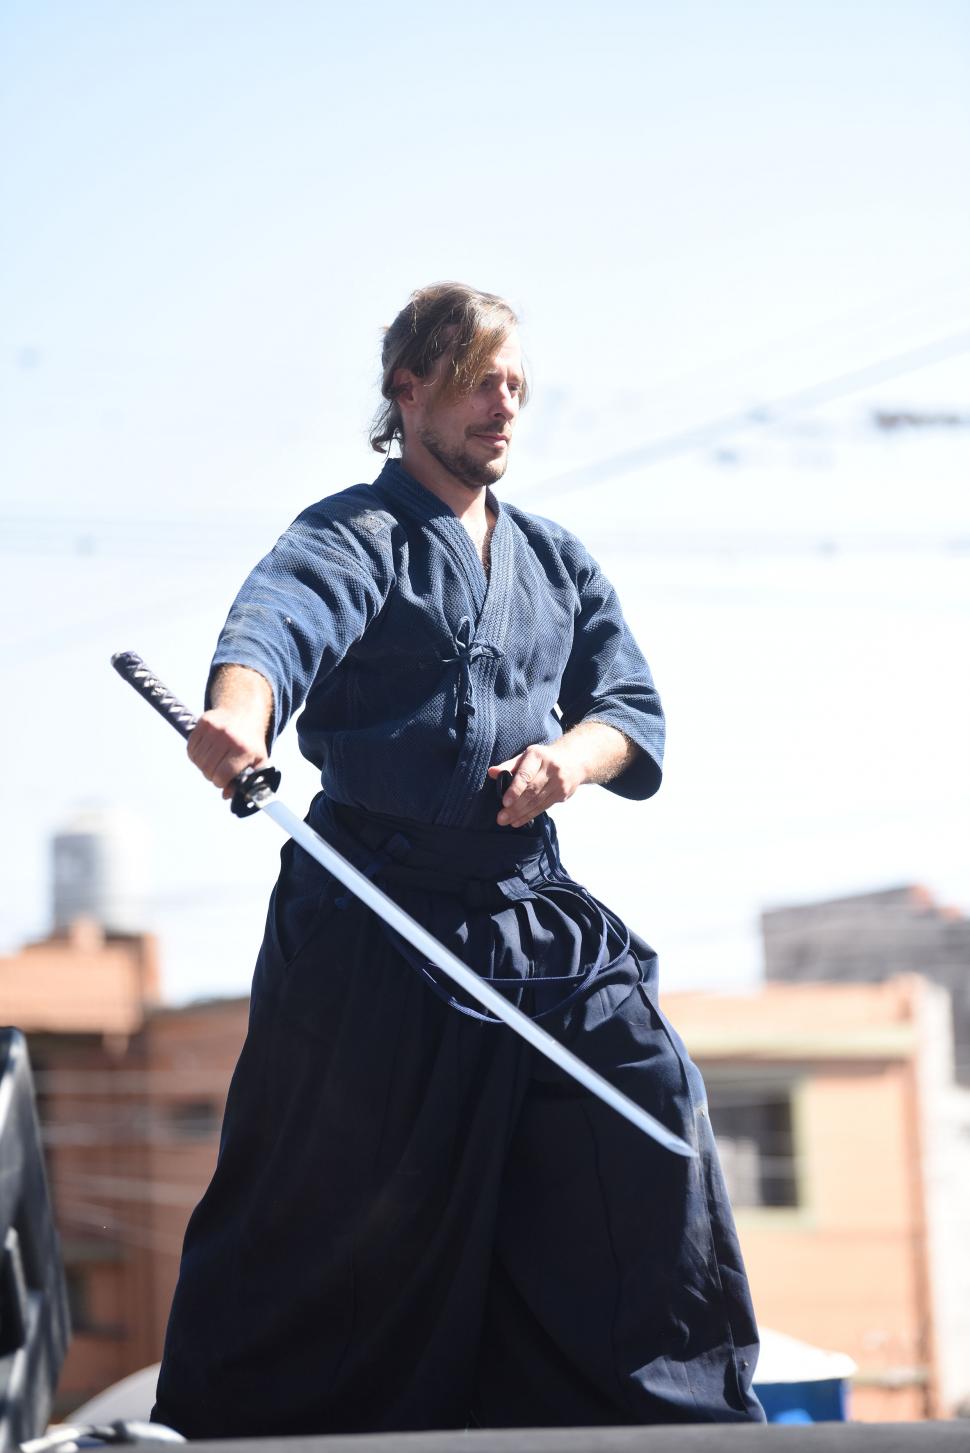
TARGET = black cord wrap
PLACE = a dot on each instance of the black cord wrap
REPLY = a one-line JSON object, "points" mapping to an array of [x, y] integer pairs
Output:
{"points": [[131, 668], [250, 783]]}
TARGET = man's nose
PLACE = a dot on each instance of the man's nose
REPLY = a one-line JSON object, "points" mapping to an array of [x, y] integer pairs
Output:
{"points": [[506, 405]]}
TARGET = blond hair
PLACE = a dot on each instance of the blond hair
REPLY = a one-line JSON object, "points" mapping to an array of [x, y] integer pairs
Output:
{"points": [[443, 320]]}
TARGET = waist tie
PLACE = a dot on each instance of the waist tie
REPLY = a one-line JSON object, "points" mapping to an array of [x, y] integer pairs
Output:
{"points": [[486, 870]]}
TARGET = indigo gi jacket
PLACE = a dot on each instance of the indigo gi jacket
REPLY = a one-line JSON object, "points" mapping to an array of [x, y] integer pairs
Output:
{"points": [[417, 671]]}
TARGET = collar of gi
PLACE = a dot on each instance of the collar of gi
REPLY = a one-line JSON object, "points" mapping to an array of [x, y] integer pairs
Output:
{"points": [[425, 505]]}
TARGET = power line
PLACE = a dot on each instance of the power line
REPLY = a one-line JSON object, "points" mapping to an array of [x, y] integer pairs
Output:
{"points": [[88, 1217], [188, 539], [762, 415], [142, 1190]]}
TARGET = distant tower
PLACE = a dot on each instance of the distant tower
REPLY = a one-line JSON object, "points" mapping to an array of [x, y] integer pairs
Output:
{"points": [[100, 870]]}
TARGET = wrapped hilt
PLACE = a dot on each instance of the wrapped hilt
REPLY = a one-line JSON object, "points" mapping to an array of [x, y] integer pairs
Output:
{"points": [[132, 669], [247, 786]]}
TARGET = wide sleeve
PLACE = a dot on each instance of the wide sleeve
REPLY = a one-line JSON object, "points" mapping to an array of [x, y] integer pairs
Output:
{"points": [[607, 679], [301, 609]]}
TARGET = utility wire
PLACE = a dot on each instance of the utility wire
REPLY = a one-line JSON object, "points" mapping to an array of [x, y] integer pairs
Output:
{"points": [[143, 1190], [87, 1217], [187, 538], [760, 416]]}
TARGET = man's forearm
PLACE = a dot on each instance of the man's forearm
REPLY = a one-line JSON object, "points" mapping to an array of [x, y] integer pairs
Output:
{"points": [[244, 694], [602, 751], [234, 731]]}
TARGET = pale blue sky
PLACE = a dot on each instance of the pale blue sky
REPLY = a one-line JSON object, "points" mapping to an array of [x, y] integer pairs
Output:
{"points": [[209, 209]]}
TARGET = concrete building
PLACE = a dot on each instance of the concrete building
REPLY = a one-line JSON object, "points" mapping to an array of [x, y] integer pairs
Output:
{"points": [[870, 937], [845, 1144]]}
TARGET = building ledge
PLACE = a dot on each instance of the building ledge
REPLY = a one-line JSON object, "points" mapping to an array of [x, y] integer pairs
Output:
{"points": [[879, 1043]]}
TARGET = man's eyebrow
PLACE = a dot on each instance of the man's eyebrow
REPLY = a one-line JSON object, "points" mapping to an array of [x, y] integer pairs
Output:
{"points": [[510, 373]]}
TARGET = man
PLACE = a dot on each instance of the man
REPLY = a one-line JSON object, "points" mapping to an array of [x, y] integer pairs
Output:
{"points": [[415, 1222]]}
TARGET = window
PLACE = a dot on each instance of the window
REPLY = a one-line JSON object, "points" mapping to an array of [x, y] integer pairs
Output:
{"points": [[753, 1126], [194, 1119], [78, 1298]]}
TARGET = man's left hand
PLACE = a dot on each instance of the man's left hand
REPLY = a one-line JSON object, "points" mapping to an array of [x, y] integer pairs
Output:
{"points": [[541, 776]]}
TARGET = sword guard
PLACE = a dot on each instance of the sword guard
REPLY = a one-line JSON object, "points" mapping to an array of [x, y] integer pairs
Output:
{"points": [[248, 783]]}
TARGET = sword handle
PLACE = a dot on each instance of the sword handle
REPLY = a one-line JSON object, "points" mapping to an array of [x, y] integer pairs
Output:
{"points": [[131, 668]]}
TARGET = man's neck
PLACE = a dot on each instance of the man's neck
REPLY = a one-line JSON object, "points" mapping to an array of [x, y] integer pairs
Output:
{"points": [[466, 501]]}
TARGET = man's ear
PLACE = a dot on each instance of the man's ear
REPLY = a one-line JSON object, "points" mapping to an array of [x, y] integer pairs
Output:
{"points": [[404, 384]]}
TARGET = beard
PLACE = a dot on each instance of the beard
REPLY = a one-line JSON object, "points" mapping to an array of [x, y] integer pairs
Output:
{"points": [[469, 470]]}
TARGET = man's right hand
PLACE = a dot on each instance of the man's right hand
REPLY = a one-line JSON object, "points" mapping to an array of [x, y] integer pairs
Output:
{"points": [[221, 748], [231, 735]]}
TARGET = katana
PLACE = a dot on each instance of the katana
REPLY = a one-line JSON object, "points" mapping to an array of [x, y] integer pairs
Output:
{"points": [[255, 791]]}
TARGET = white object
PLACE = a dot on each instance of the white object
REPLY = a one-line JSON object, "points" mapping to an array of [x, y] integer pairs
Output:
{"points": [[131, 1399], [786, 1359], [100, 870]]}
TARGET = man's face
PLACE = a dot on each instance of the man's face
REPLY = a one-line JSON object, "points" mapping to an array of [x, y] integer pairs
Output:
{"points": [[470, 435]]}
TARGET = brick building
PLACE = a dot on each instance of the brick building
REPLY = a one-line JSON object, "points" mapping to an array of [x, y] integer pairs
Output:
{"points": [[843, 1137], [130, 1098]]}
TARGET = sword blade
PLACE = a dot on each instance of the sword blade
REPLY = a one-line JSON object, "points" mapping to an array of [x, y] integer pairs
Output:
{"points": [[256, 789], [477, 987]]}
